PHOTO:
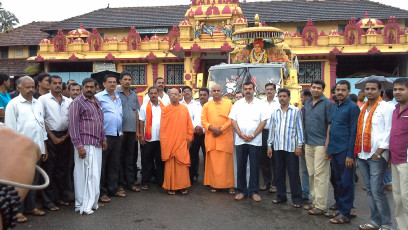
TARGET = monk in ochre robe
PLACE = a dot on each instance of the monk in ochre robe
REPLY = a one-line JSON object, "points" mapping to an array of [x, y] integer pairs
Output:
{"points": [[219, 142], [176, 134]]}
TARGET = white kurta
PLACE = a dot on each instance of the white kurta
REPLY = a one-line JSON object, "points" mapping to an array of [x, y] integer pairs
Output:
{"points": [[87, 176]]}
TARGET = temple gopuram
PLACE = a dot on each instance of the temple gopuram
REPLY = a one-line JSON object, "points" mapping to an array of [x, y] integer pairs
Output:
{"points": [[330, 39]]}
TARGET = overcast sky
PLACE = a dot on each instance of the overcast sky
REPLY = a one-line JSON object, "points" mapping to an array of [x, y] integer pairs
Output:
{"points": [[51, 10]]}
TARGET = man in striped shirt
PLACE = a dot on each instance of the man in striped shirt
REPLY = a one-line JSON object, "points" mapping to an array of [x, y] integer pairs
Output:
{"points": [[286, 136], [88, 136]]}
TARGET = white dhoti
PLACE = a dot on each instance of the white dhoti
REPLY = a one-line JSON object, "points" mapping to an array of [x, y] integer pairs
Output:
{"points": [[87, 176]]}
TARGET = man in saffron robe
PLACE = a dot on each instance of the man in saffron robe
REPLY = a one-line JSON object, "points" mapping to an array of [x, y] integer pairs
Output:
{"points": [[176, 134], [219, 143]]}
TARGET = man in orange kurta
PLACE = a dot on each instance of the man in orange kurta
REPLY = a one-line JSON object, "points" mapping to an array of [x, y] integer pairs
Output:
{"points": [[219, 143], [176, 135]]}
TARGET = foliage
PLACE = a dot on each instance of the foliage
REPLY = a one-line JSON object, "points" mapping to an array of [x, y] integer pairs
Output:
{"points": [[7, 20], [32, 70]]}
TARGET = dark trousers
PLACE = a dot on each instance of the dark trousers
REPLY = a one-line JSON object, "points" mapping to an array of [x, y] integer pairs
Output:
{"points": [[198, 143], [333, 182], [267, 164], [110, 166], [57, 169], [345, 183], [29, 202], [70, 192], [151, 157], [127, 160], [290, 162], [242, 152]]}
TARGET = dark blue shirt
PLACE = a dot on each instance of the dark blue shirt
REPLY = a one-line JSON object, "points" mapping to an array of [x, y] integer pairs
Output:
{"points": [[343, 128], [317, 118]]}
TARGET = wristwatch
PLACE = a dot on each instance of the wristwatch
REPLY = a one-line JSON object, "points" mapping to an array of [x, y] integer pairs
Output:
{"points": [[378, 155]]}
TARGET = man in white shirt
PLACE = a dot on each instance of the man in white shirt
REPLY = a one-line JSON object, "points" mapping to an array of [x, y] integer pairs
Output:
{"points": [[163, 97], [188, 101], [372, 144], [58, 144], [248, 118], [199, 135], [25, 115], [266, 163], [149, 127]]}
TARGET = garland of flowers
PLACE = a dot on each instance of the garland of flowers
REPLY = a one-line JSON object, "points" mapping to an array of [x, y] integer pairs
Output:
{"points": [[257, 59]]}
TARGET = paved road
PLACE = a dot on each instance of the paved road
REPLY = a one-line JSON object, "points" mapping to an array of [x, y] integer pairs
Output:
{"points": [[200, 209]]}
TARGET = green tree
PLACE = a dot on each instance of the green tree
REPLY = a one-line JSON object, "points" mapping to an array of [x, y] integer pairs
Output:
{"points": [[7, 20]]}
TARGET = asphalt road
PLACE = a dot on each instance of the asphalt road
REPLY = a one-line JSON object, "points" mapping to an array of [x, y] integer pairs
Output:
{"points": [[200, 209]]}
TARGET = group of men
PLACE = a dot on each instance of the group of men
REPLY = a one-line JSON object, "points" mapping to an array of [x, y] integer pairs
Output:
{"points": [[94, 137]]}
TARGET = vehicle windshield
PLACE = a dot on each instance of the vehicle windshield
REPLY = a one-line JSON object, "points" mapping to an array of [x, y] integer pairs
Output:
{"points": [[232, 79]]}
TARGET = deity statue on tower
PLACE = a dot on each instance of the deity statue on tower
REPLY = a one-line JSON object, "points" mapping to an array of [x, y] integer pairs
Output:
{"points": [[258, 54], [228, 29], [197, 30]]}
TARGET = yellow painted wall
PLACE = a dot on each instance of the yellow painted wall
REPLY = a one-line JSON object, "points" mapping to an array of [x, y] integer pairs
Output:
{"points": [[12, 52]]}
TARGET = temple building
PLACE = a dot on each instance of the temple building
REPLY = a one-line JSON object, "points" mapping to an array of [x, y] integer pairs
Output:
{"points": [[331, 40]]}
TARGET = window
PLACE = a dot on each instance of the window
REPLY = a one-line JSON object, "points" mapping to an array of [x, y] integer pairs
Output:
{"points": [[138, 74], [341, 27], [4, 52], [175, 74], [309, 71], [32, 51], [299, 29]]}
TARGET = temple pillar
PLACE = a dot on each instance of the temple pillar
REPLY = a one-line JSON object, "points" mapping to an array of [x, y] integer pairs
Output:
{"points": [[333, 70]]}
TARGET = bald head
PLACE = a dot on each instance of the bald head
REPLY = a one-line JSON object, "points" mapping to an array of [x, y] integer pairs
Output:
{"points": [[216, 92], [174, 95]]}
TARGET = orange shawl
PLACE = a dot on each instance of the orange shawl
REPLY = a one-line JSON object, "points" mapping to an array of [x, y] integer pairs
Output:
{"points": [[366, 139], [149, 120]]}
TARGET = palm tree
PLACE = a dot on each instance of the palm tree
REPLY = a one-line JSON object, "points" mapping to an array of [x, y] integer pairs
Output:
{"points": [[7, 20]]}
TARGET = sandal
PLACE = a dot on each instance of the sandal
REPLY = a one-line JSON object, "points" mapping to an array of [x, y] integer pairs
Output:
{"points": [[100, 204], [308, 206], [184, 191], [231, 191], [213, 190], [35, 212], [262, 188], [334, 207], [145, 187], [171, 192], [297, 205], [331, 214], [136, 183], [104, 199], [316, 211], [135, 189], [367, 227], [240, 196], [21, 218], [256, 197], [51, 207], [273, 189], [340, 219], [63, 203], [279, 201], [120, 194]]}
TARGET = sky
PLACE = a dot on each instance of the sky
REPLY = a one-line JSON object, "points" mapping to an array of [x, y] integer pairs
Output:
{"points": [[51, 10]]}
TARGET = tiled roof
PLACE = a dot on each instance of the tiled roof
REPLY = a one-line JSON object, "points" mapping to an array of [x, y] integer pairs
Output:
{"points": [[29, 34], [317, 10], [270, 11]]}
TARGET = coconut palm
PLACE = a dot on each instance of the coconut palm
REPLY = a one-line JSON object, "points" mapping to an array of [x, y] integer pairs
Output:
{"points": [[7, 20]]}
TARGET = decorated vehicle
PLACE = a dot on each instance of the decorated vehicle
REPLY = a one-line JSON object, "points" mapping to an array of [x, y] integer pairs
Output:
{"points": [[260, 56]]}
